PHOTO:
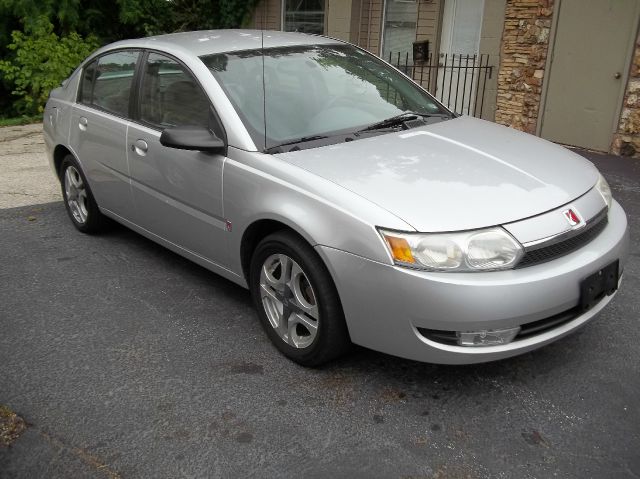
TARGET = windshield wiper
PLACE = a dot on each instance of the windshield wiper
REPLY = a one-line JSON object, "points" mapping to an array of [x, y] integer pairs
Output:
{"points": [[393, 121], [403, 118], [304, 139]]}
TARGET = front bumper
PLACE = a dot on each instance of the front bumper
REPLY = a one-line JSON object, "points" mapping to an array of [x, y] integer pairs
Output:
{"points": [[385, 305]]}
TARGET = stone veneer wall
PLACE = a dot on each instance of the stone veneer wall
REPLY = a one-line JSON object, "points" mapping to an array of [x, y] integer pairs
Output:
{"points": [[525, 43], [626, 141]]}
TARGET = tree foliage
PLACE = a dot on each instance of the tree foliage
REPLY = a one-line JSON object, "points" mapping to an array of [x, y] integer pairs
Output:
{"points": [[207, 14], [42, 59], [41, 41]]}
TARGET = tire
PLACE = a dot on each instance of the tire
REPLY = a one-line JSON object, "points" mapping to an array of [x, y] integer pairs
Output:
{"points": [[78, 199], [306, 297]]}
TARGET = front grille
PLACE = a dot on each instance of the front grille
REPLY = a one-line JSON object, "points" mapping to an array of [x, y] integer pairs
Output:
{"points": [[526, 330], [564, 247]]}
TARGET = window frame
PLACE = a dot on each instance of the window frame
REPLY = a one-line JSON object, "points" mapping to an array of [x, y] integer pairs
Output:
{"points": [[96, 60], [135, 115]]}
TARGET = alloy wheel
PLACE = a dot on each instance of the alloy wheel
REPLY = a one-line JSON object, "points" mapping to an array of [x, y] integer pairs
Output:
{"points": [[76, 194], [289, 300]]}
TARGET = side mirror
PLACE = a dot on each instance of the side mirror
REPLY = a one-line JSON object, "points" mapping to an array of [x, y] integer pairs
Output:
{"points": [[192, 138]]}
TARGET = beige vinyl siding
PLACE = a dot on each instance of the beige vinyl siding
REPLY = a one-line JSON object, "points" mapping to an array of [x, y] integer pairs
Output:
{"points": [[268, 15], [338, 14], [429, 14], [371, 25]]}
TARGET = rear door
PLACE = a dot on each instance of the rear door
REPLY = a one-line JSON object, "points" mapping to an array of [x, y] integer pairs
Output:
{"points": [[178, 193], [99, 123]]}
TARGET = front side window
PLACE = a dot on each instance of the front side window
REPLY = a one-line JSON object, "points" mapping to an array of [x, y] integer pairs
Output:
{"points": [[305, 16], [312, 90], [170, 96], [106, 83]]}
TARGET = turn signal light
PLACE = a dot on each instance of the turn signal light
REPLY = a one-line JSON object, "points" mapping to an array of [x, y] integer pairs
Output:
{"points": [[400, 249]]}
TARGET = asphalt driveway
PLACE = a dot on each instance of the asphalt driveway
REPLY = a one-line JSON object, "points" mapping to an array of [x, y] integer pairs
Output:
{"points": [[127, 360]]}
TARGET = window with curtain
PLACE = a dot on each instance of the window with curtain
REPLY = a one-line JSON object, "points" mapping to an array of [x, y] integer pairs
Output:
{"points": [[400, 22], [305, 16]]}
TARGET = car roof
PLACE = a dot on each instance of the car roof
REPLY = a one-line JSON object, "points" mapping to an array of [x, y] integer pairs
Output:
{"points": [[206, 42]]}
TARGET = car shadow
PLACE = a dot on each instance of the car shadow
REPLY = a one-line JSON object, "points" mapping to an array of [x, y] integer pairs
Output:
{"points": [[567, 353], [116, 232], [420, 378]]}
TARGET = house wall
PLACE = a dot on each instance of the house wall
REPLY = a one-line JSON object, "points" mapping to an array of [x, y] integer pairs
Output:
{"points": [[268, 15], [370, 25], [429, 17], [340, 15], [626, 140], [490, 41], [358, 21], [525, 44]]}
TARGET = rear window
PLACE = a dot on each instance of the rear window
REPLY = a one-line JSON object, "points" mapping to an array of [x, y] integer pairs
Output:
{"points": [[106, 82]]}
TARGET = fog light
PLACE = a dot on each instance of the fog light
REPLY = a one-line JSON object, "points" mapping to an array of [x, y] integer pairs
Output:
{"points": [[487, 337]]}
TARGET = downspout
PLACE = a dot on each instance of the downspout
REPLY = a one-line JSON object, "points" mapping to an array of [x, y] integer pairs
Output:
{"points": [[360, 25], [369, 26]]}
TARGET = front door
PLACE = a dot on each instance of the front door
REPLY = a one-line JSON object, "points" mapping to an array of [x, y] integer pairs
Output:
{"points": [[177, 193], [459, 47], [589, 58]]}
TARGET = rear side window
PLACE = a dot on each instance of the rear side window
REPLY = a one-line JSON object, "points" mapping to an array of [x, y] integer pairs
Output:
{"points": [[170, 96], [107, 83]]}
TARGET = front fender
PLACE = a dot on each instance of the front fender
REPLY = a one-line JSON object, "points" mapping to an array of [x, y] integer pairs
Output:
{"points": [[258, 186]]}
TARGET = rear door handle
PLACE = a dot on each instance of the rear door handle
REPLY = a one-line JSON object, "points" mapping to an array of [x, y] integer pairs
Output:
{"points": [[82, 123], [140, 147]]}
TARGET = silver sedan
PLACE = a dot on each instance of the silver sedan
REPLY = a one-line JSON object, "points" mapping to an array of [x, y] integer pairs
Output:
{"points": [[353, 205]]}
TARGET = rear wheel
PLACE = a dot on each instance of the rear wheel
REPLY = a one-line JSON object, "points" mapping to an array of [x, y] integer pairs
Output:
{"points": [[297, 301], [78, 199]]}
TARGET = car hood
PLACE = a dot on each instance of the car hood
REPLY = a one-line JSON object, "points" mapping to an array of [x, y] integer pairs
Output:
{"points": [[458, 174]]}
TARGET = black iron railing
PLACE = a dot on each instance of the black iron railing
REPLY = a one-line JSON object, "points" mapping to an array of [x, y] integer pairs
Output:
{"points": [[459, 81]]}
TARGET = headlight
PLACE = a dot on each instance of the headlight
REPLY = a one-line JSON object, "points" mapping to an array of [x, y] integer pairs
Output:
{"points": [[479, 250], [603, 187]]}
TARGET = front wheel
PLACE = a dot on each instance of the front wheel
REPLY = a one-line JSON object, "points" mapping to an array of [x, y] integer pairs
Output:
{"points": [[297, 301]]}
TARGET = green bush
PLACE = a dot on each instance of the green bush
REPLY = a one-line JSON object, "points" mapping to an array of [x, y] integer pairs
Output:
{"points": [[46, 40], [40, 62]]}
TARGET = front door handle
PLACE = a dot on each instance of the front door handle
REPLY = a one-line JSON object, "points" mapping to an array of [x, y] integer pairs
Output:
{"points": [[617, 75], [140, 147], [82, 123]]}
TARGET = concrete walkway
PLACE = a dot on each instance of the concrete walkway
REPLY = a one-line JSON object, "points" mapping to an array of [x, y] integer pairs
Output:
{"points": [[25, 175]]}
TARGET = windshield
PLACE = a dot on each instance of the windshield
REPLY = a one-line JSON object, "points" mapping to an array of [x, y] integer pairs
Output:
{"points": [[314, 91]]}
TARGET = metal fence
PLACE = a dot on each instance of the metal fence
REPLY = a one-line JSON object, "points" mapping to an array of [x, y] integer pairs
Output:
{"points": [[458, 81]]}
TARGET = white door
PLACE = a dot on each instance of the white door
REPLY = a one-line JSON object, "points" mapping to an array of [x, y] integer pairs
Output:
{"points": [[459, 49]]}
